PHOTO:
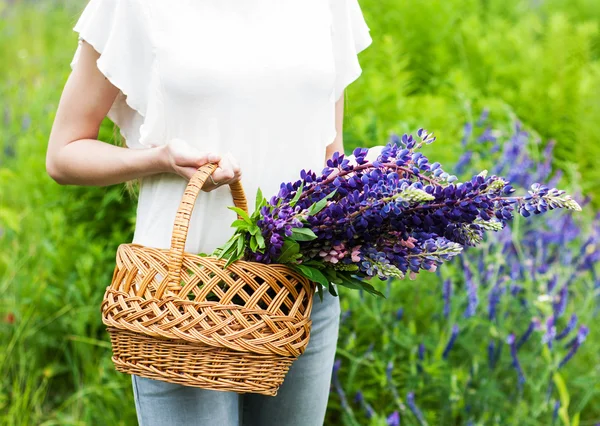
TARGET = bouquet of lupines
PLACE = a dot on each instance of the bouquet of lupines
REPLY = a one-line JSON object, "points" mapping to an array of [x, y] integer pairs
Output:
{"points": [[387, 216]]}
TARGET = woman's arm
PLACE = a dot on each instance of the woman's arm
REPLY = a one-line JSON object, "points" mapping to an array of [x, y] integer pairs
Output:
{"points": [[76, 157], [338, 142]]}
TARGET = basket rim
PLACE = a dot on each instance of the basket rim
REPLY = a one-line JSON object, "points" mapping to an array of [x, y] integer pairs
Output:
{"points": [[214, 258]]}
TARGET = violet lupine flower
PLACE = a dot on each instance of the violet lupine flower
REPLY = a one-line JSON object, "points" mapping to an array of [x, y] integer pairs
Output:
{"points": [[560, 303], [491, 354], [410, 401], [467, 131], [487, 136], [463, 162], [472, 297], [451, 341], [493, 300], [483, 117], [345, 315], [447, 293], [575, 344], [421, 357], [338, 387], [515, 360], [393, 419], [552, 283], [359, 399], [555, 411], [550, 334], [399, 314], [533, 325], [569, 327], [391, 215]]}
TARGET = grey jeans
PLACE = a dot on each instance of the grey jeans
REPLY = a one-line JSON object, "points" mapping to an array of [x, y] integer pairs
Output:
{"points": [[300, 401]]}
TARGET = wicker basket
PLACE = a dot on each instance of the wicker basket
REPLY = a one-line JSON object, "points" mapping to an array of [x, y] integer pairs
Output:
{"points": [[182, 318]]}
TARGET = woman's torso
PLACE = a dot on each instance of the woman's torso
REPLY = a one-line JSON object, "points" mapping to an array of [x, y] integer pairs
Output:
{"points": [[252, 78]]}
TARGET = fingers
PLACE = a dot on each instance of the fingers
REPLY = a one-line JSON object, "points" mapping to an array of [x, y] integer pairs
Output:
{"points": [[228, 170], [187, 155], [226, 173]]}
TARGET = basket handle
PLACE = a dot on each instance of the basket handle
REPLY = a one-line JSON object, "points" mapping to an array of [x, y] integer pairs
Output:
{"points": [[182, 221]]}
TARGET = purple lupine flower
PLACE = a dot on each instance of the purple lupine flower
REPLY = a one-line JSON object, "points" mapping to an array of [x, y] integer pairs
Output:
{"points": [[483, 117], [463, 162], [552, 283], [550, 334], [493, 299], [338, 387], [410, 401], [549, 389], [359, 399], [421, 357], [487, 136], [472, 299], [570, 327], [560, 303], [451, 341], [534, 324], [399, 314], [515, 360], [515, 289], [393, 419], [447, 292], [392, 215], [467, 131], [471, 286], [492, 353], [575, 344], [555, 411]]}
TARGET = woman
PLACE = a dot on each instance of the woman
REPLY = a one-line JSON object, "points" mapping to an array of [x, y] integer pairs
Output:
{"points": [[252, 85]]}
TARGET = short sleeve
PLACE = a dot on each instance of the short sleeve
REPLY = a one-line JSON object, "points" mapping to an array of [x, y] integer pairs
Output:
{"points": [[120, 32], [350, 36]]}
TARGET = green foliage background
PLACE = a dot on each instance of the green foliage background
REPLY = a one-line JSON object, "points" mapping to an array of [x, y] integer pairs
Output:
{"points": [[432, 64]]}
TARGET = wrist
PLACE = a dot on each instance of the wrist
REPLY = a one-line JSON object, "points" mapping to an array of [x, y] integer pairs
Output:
{"points": [[160, 158]]}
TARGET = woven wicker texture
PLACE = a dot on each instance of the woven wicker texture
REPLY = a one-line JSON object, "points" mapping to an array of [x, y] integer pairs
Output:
{"points": [[183, 318]]}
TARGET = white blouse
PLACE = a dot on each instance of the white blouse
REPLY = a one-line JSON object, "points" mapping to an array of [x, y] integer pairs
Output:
{"points": [[256, 78]]}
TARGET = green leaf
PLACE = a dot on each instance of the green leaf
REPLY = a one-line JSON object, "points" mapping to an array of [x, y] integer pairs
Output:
{"points": [[297, 196], [332, 290], [240, 224], [228, 245], [290, 248], [320, 292], [253, 243], [331, 275], [241, 212], [232, 259], [313, 274], [320, 205], [240, 245], [260, 240], [349, 282], [303, 234], [260, 200], [254, 230], [370, 289]]}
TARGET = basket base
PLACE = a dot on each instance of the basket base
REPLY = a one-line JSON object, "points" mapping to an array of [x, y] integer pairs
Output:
{"points": [[196, 365]]}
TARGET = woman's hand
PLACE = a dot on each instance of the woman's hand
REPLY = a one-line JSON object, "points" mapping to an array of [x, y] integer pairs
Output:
{"points": [[184, 160]]}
